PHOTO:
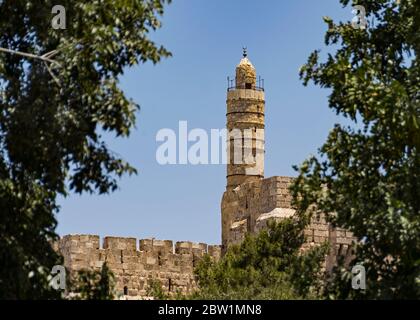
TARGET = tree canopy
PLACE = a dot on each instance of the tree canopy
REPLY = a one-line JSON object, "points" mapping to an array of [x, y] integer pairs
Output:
{"points": [[367, 174], [269, 265], [52, 115]]}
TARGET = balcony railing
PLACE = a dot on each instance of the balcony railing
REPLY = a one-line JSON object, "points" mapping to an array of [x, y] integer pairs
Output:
{"points": [[258, 86]]}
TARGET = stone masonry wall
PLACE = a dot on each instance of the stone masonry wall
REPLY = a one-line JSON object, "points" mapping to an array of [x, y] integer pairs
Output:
{"points": [[134, 269], [248, 208]]}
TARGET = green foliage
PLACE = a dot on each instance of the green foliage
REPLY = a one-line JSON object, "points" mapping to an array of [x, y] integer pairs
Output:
{"points": [[26, 229], [367, 177], [51, 121], [269, 265], [156, 291], [93, 285]]}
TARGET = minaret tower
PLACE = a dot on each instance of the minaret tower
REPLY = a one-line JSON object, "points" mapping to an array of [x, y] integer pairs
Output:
{"points": [[245, 117]]}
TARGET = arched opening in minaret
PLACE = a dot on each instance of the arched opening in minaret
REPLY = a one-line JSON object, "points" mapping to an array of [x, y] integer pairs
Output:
{"points": [[248, 85], [125, 290]]}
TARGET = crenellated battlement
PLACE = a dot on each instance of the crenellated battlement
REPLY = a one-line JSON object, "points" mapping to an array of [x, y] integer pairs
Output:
{"points": [[134, 267]]}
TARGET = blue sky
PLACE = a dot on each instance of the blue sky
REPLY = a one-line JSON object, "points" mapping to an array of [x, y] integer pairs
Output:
{"points": [[182, 202]]}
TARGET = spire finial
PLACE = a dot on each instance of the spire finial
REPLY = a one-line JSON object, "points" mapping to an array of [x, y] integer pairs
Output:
{"points": [[244, 52]]}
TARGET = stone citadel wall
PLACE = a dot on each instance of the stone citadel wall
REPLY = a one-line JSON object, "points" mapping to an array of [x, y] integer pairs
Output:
{"points": [[249, 206], [135, 268], [246, 208]]}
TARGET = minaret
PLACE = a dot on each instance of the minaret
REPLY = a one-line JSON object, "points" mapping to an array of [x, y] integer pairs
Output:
{"points": [[245, 118]]}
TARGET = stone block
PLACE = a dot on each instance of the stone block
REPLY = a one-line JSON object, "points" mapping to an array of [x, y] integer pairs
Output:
{"points": [[321, 233], [183, 247], [120, 243]]}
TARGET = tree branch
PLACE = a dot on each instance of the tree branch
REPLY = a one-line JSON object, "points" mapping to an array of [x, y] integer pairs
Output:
{"points": [[44, 57]]}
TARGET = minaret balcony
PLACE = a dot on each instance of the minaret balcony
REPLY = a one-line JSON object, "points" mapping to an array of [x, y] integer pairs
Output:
{"points": [[257, 85]]}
